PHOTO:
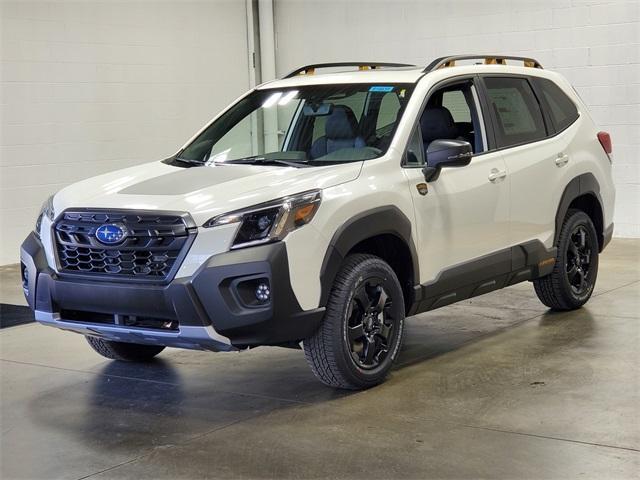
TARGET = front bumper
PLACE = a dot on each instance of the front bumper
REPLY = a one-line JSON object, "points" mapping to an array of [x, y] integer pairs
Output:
{"points": [[214, 309]]}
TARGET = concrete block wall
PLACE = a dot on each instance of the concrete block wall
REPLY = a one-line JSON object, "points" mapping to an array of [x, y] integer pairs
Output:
{"points": [[89, 87], [595, 44]]}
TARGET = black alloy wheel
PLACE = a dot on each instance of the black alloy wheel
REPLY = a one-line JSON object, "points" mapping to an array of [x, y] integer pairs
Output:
{"points": [[361, 334], [370, 325], [578, 260], [573, 278]]}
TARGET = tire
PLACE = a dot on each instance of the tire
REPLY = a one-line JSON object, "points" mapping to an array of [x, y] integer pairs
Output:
{"points": [[125, 352], [571, 283], [363, 327]]}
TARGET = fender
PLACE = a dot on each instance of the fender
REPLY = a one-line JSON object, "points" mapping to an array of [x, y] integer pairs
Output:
{"points": [[377, 221], [580, 185]]}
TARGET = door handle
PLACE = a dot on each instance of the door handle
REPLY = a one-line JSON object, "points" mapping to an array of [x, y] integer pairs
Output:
{"points": [[496, 175], [562, 159]]}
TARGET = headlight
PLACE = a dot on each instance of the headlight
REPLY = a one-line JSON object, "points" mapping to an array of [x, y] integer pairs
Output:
{"points": [[45, 211], [270, 221]]}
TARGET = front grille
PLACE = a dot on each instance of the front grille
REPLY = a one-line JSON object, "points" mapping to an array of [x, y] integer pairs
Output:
{"points": [[151, 251]]}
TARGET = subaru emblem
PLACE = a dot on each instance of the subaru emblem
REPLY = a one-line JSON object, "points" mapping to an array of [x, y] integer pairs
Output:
{"points": [[110, 234]]}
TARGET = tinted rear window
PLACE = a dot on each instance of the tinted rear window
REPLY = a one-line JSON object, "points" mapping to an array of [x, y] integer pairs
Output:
{"points": [[517, 111], [562, 109]]}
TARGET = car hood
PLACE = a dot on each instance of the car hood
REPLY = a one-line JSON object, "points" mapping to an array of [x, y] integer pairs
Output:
{"points": [[202, 191]]}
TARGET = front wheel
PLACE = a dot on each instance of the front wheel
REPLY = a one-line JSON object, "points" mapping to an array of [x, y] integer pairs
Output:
{"points": [[126, 352], [571, 283], [362, 330]]}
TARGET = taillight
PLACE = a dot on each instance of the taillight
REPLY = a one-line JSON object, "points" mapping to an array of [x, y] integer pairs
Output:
{"points": [[605, 141]]}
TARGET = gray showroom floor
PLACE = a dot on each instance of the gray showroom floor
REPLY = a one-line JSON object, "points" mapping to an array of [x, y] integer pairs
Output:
{"points": [[495, 387]]}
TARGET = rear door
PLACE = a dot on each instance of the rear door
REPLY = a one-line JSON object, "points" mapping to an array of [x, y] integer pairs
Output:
{"points": [[534, 160]]}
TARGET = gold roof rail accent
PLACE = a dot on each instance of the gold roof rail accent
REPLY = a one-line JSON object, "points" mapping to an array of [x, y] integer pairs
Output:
{"points": [[451, 63]]}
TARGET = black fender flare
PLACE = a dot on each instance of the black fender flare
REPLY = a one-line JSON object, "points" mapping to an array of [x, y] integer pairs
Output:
{"points": [[377, 221], [580, 185]]}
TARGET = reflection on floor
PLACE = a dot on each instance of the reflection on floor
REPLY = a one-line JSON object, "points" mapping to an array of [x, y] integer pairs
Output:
{"points": [[494, 387]]}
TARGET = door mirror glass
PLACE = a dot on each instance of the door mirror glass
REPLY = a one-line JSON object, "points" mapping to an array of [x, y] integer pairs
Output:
{"points": [[446, 153]]}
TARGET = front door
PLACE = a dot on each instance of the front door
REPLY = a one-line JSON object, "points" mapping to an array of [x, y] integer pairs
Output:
{"points": [[464, 214]]}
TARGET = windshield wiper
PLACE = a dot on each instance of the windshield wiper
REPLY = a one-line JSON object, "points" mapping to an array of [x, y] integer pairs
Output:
{"points": [[258, 160]]}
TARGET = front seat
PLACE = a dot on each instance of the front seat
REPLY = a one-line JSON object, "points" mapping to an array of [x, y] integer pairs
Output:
{"points": [[341, 131], [437, 123]]}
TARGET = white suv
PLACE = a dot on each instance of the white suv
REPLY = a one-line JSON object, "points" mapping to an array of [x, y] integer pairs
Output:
{"points": [[318, 211]]}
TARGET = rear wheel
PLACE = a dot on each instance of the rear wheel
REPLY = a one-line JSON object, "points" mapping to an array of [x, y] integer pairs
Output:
{"points": [[571, 283], [126, 352], [362, 330]]}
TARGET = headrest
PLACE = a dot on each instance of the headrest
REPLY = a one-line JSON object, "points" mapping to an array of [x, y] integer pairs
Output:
{"points": [[341, 123], [437, 122]]}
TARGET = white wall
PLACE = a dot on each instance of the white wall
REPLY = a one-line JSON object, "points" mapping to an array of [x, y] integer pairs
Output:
{"points": [[596, 44], [88, 87]]}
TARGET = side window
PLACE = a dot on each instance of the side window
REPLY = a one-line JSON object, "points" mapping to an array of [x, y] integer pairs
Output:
{"points": [[516, 109], [453, 113], [456, 103], [415, 150], [563, 110], [389, 107]]}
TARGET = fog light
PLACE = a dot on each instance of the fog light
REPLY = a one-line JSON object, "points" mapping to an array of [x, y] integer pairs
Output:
{"points": [[263, 293]]}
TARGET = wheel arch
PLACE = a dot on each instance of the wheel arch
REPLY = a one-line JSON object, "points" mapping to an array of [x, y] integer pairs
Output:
{"points": [[382, 231], [582, 193]]}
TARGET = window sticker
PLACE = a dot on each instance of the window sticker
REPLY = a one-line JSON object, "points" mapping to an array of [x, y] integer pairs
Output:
{"points": [[381, 88], [513, 112]]}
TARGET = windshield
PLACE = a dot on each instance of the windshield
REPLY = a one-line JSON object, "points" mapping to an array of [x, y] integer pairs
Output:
{"points": [[305, 126]]}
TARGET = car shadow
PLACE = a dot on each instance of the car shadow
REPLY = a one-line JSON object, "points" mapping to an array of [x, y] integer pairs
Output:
{"points": [[133, 407]]}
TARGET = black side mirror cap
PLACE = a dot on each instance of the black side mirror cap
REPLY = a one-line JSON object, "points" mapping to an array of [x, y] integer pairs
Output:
{"points": [[446, 153]]}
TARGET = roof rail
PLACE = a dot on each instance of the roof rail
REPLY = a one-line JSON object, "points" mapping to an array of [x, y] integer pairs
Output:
{"points": [[450, 61], [310, 69]]}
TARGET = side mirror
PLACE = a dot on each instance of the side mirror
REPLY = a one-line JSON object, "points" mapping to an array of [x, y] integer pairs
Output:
{"points": [[446, 153]]}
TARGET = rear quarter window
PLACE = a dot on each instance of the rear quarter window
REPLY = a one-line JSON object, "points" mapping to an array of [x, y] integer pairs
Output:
{"points": [[561, 108], [516, 110]]}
